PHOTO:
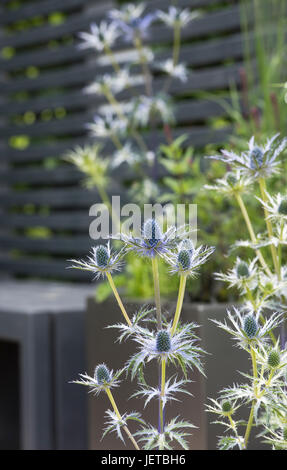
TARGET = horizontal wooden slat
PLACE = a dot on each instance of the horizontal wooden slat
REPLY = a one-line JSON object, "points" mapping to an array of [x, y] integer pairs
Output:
{"points": [[185, 112], [215, 22], [40, 8], [74, 245], [41, 267], [77, 221], [198, 136]]}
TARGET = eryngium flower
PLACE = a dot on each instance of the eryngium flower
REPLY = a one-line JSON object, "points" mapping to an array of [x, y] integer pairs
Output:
{"points": [[176, 17], [178, 348], [146, 107], [103, 379], [274, 358], [102, 374], [232, 183], [163, 341], [174, 70], [187, 261], [250, 326], [245, 329], [226, 407], [100, 37], [101, 261], [130, 21], [108, 125], [89, 161], [242, 269], [153, 242], [242, 275], [275, 206], [256, 162]]}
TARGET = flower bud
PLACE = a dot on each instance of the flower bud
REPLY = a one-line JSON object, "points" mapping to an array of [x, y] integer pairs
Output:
{"points": [[256, 158], [102, 256], [274, 358], [242, 269], [184, 259], [152, 232], [282, 209], [163, 341], [250, 326], [102, 374], [226, 407], [231, 179]]}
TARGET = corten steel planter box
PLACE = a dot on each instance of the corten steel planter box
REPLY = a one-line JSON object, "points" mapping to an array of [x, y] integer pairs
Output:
{"points": [[221, 368]]}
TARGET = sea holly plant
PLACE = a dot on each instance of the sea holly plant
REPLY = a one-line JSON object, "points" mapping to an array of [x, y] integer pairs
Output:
{"points": [[131, 106], [157, 338], [257, 324]]}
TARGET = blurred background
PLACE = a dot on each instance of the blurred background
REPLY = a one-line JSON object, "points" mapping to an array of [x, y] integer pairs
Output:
{"points": [[54, 165]]}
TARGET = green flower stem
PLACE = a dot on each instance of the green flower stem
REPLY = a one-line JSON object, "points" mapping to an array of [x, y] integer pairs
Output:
{"points": [[157, 292], [262, 185], [114, 289], [112, 58], [176, 43], [146, 71], [280, 248], [163, 374], [251, 416], [181, 291], [251, 232], [233, 426], [118, 109], [112, 400]]}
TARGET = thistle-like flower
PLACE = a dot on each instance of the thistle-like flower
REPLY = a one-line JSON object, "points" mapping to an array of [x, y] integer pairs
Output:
{"points": [[179, 348], [89, 161], [146, 107], [243, 275], [176, 17], [131, 21], [257, 162], [103, 378], [153, 242], [108, 125], [110, 83], [186, 260], [245, 328], [100, 37], [101, 262], [126, 155], [276, 207], [174, 70], [234, 182]]}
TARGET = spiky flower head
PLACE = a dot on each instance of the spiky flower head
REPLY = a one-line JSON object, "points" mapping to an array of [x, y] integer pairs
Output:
{"points": [[250, 326], [231, 178], [282, 209], [242, 269], [153, 241], [257, 161], [233, 182], [176, 17], [101, 262], [103, 378], [152, 232], [102, 374], [163, 341], [131, 21], [101, 36], [89, 161], [184, 259], [274, 358], [226, 407]]}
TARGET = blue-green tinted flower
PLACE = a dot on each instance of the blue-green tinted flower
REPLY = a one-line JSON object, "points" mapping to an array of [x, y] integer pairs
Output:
{"points": [[257, 161], [250, 326], [187, 261], [103, 378], [101, 261]]}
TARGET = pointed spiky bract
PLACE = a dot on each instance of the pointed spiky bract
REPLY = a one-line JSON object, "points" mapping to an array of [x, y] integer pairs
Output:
{"points": [[152, 232], [242, 269], [163, 341], [102, 374], [250, 326], [102, 256], [184, 259], [256, 158], [274, 358]]}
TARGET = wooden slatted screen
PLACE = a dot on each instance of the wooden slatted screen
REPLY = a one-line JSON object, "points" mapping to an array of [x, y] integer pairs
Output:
{"points": [[43, 112]]}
